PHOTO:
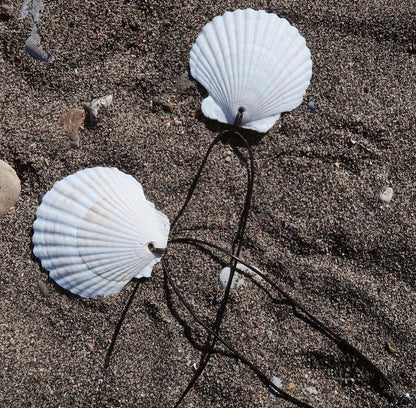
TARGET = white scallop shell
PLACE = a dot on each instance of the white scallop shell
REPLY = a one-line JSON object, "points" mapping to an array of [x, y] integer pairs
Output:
{"points": [[251, 59], [93, 230]]}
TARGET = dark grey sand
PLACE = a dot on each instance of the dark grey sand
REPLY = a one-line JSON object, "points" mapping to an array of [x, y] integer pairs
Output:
{"points": [[316, 226]]}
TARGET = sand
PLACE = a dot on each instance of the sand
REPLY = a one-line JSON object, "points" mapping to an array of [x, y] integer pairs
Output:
{"points": [[316, 227]]}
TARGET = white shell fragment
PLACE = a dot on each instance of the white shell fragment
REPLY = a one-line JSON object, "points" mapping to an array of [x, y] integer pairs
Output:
{"points": [[9, 187], [95, 231], [311, 390], [33, 9], [33, 46], [93, 106], [254, 66], [386, 195]]}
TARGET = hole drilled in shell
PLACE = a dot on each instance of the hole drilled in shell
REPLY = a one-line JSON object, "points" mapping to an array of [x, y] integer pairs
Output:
{"points": [[239, 117], [154, 250]]}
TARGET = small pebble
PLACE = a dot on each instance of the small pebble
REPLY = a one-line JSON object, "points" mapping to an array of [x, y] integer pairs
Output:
{"points": [[277, 382], [72, 121], [390, 348], [291, 386], [224, 277], [90, 347], [43, 288], [184, 85], [312, 108], [32, 10], [40, 196], [9, 187], [166, 105], [386, 195], [93, 107], [6, 10], [311, 390]]}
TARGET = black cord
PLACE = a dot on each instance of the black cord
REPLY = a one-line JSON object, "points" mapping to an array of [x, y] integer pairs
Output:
{"points": [[311, 319], [272, 387], [237, 244], [113, 342], [213, 332]]}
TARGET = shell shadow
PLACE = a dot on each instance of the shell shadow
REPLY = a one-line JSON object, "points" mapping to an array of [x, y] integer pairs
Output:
{"points": [[188, 331], [252, 137]]}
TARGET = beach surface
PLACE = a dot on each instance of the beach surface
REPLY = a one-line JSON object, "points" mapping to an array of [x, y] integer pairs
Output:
{"points": [[316, 227]]}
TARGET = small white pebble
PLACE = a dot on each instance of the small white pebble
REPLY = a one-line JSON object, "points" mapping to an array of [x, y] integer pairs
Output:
{"points": [[277, 382], [386, 195], [311, 390], [224, 277]]}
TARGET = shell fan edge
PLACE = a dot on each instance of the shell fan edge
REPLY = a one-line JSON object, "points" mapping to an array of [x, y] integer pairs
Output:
{"points": [[95, 231], [254, 65]]}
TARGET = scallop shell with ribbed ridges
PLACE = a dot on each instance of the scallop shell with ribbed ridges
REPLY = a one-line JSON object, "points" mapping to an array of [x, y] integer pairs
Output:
{"points": [[252, 60], [93, 230]]}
